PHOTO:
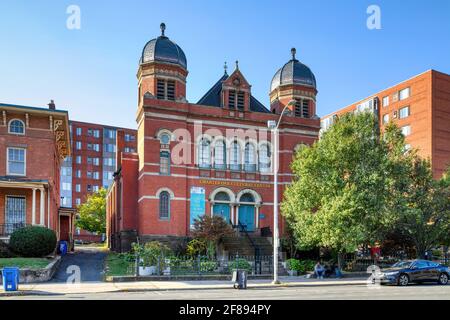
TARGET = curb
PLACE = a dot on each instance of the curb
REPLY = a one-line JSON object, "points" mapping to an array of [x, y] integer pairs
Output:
{"points": [[222, 287]]}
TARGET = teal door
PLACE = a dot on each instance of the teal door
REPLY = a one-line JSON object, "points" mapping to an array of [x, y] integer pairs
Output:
{"points": [[247, 216], [222, 209]]}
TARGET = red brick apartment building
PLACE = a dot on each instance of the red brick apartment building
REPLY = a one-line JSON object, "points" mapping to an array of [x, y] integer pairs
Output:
{"points": [[159, 190], [420, 106], [33, 144], [91, 165]]}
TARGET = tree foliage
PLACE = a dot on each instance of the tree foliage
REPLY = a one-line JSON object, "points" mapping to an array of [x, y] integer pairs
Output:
{"points": [[92, 213], [341, 194], [211, 230]]}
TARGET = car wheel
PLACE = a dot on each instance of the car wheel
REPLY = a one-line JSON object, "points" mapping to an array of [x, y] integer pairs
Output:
{"points": [[403, 280], [443, 279]]}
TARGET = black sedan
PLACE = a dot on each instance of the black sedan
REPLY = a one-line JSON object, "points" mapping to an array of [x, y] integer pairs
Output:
{"points": [[404, 272]]}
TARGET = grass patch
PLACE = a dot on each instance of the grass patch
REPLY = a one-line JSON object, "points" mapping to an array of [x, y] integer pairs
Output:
{"points": [[116, 265], [24, 263]]}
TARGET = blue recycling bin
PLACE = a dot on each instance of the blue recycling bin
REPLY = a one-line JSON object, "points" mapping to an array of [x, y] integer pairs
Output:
{"points": [[63, 246], [10, 279]]}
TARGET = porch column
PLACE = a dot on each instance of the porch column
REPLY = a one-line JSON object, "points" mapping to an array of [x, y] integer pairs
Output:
{"points": [[42, 208], [257, 215], [33, 208], [48, 209], [232, 214], [211, 204]]}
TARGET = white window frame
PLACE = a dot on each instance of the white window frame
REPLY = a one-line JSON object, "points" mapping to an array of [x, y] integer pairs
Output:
{"points": [[400, 112], [24, 162], [16, 133], [409, 130], [385, 101], [403, 90]]}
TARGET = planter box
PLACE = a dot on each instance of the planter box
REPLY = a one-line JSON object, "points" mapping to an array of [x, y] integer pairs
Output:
{"points": [[38, 275]]}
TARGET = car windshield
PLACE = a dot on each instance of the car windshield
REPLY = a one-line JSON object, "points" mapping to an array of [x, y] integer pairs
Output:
{"points": [[402, 264]]}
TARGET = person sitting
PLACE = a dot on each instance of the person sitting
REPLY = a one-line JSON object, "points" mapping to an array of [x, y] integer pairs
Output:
{"points": [[319, 270]]}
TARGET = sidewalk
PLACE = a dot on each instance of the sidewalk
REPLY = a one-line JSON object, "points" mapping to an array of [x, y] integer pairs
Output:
{"points": [[57, 289]]}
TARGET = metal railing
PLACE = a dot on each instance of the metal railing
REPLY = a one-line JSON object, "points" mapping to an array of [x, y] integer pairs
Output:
{"points": [[8, 228], [257, 250]]}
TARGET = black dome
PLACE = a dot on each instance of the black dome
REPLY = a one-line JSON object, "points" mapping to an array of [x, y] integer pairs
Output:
{"points": [[293, 72], [164, 50]]}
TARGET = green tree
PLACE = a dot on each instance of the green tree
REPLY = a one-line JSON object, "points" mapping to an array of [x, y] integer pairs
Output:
{"points": [[345, 185], [92, 213], [425, 219], [211, 230]]}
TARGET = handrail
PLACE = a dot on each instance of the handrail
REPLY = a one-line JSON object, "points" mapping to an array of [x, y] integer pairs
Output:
{"points": [[255, 247]]}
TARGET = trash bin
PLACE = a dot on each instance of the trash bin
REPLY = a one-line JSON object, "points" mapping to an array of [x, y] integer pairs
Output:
{"points": [[240, 279], [10, 279], [63, 246]]}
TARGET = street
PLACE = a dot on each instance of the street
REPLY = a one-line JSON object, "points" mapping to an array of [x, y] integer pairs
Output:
{"points": [[332, 292]]}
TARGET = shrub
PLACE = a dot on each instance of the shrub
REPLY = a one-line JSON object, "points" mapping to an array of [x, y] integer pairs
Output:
{"points": [[5, 251], [240, 264], [151, 252], [301, 266], [196, 247], [33, 241]]}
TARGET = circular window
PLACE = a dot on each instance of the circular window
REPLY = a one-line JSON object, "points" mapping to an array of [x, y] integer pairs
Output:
{"points": [[165, 139]]}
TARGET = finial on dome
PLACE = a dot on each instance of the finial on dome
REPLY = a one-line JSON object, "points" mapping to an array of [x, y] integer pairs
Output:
{"points": [[225, 67], [293, 52], [237, 65], [163, 28]]}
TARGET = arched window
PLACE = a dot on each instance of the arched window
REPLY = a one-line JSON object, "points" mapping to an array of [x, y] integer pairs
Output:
{"points": [[204, 153], [220, 155], [235, 156], [248, 197], [250, 157], [16, 127], [222, 196], [164, 205], [264, 158]]}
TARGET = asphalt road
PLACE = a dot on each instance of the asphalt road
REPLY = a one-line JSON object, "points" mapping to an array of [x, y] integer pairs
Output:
{"points": [[89, 260], [349, 292]]}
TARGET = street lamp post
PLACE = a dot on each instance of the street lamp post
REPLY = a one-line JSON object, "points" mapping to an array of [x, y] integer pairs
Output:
{"points": [[273, 125]]}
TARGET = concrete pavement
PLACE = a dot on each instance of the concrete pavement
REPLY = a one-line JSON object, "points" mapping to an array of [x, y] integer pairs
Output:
{"points": [[60, 288]]}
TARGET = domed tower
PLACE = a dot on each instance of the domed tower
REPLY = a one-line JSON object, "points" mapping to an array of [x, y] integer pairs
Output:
{"points": [[162, 70], [294, 81]]}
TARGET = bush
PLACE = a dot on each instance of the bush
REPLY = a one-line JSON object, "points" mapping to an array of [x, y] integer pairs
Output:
{"points": [[151, 253], [5, 251], [240, 264], [196, 247], [301, 266], [33, 241]]}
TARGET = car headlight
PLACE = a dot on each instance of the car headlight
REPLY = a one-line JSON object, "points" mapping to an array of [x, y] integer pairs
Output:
{"points": [[391, 274]]}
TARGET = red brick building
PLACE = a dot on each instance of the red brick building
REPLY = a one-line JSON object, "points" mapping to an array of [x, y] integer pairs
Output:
{"points": [[212, 157], [33, 144], [420, 106], [92, 165]]}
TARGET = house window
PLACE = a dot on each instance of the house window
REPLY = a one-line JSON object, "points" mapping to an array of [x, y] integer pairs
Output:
{"points": [[89, 174], [15, 214], [302, 109], [95, 188], [204, 154], [385, 101], [164, 205], [406, 130], [250, 157], [78, 159], [235, 157], [96, 133], [165, 139], [78, 173], [220, 149], [404, 113], [404, 94], [165, 89], [16, 161], [78, 188], [109, 162], [96, 147], [67, 186], [96, 161], [264, 158], [385, 118], [79, 131], [240, 101], [78, 145], [96, 175], [16, 127], [89, 146], [77, 201], [164, 163], [89, 188], [232, 99]]}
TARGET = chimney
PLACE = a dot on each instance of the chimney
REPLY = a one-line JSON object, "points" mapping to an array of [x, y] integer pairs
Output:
{"points": [[120, 143], [52, 105]]}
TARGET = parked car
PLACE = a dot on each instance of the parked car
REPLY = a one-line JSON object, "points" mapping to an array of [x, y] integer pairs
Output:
{"points": [[404, 272]]}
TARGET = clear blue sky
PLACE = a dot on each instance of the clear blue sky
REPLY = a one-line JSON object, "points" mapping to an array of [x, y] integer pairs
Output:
{"points": [[92, 72]]}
